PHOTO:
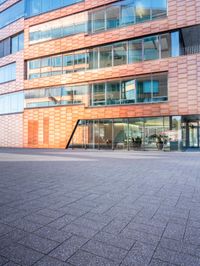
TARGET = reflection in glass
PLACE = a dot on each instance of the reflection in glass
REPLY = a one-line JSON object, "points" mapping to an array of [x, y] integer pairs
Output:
{"points": [[159, 8], [99, 21], [143, 10], [151, 48], [112, 17], [113, 93], [120, 54], [105, 54], [99, 94], [165, 45], [135, 51], [128, 92]]}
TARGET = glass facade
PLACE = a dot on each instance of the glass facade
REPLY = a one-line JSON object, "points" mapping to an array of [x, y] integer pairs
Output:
{"points": [[8, 73], [12, 103], [36, 7], [12, 14], [127, 52], [151, 133], [153, 88], [150, 48], [117, 15], [125, 13], [12, 45], [56, 96], [58, 28], [142, 89]]}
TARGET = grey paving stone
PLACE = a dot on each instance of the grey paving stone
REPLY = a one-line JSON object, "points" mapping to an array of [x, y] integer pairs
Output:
{"points": [[68, 248], [4, 229], [116, 226], [10, 263], [114, 198], [3, 260], [20, 254], [62, 221], [26, 225], [51, 213], [166, 255], [83, 258], [40, 219], [139, 255], [115, 240], [53, 234], [180, 246], [105, 250], [83, 231], [174, 231], [37, 243], [156, 262], [16, 234], [140, 236], [47, 261]]}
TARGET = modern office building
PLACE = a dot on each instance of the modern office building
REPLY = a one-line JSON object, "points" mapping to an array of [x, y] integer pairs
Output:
{"points": [[100, 74]]}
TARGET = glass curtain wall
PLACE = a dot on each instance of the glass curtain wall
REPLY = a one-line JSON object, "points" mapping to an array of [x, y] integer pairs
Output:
{"points": [[112, 16], [125, 134], [142, 89], [126, 13], [12, 14], [150, 48], [36, 7]]}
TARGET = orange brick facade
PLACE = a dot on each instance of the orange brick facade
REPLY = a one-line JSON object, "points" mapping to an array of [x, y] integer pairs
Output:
{"points": [[11, 126], [52, 127]]}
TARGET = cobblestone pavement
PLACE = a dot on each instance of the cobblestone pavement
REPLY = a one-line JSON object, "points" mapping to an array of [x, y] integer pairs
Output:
{"points": [[99, 208]]}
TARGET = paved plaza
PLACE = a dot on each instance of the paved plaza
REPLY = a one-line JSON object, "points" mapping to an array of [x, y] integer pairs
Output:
{"points": [[103, 208]]}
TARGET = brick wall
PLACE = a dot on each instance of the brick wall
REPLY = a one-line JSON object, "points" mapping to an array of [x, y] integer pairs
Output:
{"points": [[11, 126], [11, 133]]}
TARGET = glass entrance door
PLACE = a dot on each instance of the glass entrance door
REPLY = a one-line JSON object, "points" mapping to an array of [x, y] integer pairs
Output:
{"points": [[193, 128]]}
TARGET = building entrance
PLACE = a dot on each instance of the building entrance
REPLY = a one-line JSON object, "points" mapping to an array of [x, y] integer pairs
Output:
{"points": [[191, 132]]}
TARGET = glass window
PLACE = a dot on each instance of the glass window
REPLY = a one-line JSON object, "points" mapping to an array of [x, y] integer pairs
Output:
{"points": [[36, 7], [12, 14], [68, 63], [175, 43], [12, 103], [128, 13], [6, 47], [120, 54], [57, 61], [190, 40], [15, 44], [46, 62], [135, 51], [33, 64], [112, 17], [159, 8], [144, 89], [165, 45], [79, 59], [143, 10], [99, 21], [151, 48], [93, 58], [8, 73], [159, 87], [68, 60], [1, 49], [128, 92], [105, 59], [98, 94], [113, 93]]}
